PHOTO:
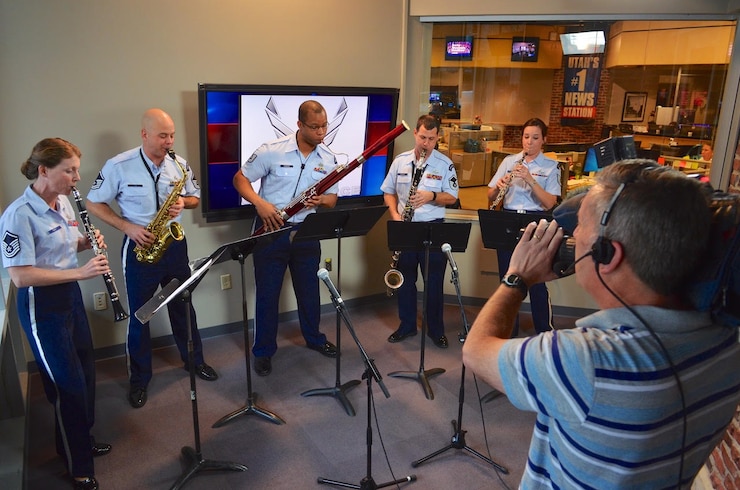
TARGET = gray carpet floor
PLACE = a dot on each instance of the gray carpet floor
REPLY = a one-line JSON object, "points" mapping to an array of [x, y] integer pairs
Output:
{"points": [[319, 439]]}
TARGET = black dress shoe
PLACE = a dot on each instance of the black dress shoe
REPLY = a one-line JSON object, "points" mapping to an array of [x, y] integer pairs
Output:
{"points": [[398, 336], [206, 372], [328, 349], [137, 397], [441, 342], [262, 366], [89, 483]]}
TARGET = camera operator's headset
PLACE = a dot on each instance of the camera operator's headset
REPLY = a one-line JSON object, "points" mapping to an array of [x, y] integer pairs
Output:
{"points": [[602, 252]]}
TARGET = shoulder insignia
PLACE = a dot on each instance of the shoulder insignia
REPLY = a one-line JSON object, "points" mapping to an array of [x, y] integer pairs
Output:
{"points": [[98, 181], [11, 245]]}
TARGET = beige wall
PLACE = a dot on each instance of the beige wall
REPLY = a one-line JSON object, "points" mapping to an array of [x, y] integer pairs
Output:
{"points": [[85, 70]]}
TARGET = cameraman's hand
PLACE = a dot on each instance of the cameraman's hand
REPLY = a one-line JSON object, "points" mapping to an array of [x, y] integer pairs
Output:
{"points": [[533, 256]]}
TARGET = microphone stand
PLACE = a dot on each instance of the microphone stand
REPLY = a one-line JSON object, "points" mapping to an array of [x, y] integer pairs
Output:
{"points": [[458, 438], [371, 372]]}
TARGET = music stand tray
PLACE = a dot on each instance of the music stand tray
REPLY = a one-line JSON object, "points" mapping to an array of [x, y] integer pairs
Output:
{"points": [[500, 229], [350, 222], [412, 236], [406, 236]]}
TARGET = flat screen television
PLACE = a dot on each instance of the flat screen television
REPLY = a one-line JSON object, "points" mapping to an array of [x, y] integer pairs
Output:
{"points": [[590, 42], [458, 48], [234, 120], [525, 49], [614, 149]]}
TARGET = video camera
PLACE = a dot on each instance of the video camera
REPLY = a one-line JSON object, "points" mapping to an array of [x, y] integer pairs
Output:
{"points": [[717, 285]]}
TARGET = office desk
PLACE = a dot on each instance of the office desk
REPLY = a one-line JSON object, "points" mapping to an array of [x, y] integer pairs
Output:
{"points": [[685, 164]]}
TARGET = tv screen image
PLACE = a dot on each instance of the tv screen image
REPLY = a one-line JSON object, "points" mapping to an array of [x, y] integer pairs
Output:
{"points": [[459, 48], [590, 42], [235, 120], [525, 49]]}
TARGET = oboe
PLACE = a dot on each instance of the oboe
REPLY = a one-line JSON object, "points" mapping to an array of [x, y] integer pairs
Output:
{"points": [[497, 203], [110, 283]]}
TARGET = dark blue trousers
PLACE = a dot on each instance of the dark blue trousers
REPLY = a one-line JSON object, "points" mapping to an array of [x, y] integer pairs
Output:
{"points": [[409, 264], [270, 264], [57, 329], [142, 281], [539, 298]]}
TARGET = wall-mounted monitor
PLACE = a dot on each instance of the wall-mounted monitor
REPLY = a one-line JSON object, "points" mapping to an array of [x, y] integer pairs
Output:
{"points": [[525, 49], [234, 120], [458, 48], [590, 42]]}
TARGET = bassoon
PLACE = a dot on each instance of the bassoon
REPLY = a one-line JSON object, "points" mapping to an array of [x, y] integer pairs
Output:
{"points": [[337, 174]]}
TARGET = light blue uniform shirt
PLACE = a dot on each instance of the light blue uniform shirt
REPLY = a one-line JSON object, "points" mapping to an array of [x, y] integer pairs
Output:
{"points": [[285, 173], [439, 176], [609, 413], [34, 234], [126, 180], [519, 196]]}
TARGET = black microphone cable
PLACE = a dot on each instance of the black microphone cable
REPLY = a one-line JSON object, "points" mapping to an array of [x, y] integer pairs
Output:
{"points": [[667, 356]]}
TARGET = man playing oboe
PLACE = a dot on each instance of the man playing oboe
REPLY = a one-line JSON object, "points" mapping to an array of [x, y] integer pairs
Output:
{"points": [[288, 166]]}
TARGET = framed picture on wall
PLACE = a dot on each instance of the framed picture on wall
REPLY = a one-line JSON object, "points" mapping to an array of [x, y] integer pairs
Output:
{"points": [[664, 95], [634, 106]]}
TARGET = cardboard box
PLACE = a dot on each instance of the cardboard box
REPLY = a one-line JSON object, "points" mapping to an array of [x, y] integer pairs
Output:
{"points": [[470, 167]]}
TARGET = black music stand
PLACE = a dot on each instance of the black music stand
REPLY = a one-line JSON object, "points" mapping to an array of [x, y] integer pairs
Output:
{"points": [[458, 438], [371, 372], [500, 230], [423, 236], [174, 290], [338, 224], [239, 251]]}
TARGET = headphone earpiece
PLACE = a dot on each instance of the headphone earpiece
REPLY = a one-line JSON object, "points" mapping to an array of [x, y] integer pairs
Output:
{"points": [[602, 251]]}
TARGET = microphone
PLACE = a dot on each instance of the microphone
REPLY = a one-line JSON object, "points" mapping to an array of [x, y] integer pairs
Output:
{"points": [[572, 267], [323, 274], [447, 250]]}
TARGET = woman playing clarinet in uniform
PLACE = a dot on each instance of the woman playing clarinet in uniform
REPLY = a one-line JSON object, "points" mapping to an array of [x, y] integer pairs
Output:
{"points": [[41, 240], [527, 182]]}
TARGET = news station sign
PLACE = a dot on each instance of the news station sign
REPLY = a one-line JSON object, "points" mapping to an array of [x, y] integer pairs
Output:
{"points": [[580, 89]]}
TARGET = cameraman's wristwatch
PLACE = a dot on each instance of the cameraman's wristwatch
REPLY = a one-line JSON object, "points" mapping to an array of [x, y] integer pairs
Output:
{"points": [[516, 282]]}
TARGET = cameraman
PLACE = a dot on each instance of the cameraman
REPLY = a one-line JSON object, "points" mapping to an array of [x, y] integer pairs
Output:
{"points": [[611, 411]]}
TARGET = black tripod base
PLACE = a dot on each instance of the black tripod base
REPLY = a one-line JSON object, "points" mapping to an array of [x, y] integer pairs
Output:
{"points": [[367, 483], [421, 376], [337, 392], [458, 442], [249, 409], [195, 463]]}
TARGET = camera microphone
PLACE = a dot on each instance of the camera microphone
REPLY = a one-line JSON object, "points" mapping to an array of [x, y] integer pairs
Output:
{"points": [[572, 267]]}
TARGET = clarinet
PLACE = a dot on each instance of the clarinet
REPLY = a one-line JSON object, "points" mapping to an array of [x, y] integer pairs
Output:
{"points": [[498, 203], [119, 312], [393, 278]]}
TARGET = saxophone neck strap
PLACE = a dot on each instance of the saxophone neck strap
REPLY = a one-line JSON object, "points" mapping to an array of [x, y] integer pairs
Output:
{"points": [[155, 179]]}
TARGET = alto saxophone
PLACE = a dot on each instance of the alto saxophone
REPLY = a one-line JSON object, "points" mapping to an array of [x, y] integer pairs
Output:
{"points": [[497, 203], [393, 278], [162, 226]]}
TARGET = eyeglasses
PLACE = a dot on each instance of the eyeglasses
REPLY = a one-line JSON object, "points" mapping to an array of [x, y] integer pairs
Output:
{"points": [[315, 128]]}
